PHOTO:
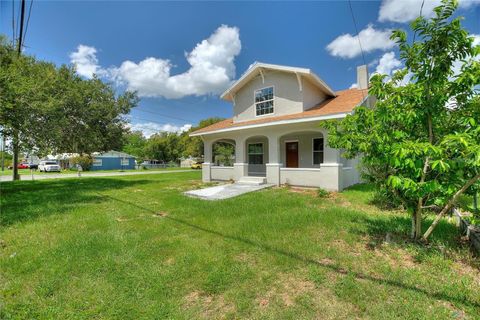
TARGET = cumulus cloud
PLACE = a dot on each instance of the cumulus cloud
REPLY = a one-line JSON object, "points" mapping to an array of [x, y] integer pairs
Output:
{"points": [[212, 69], [86, 62], [407, 10], [150, 128], [388, 63], [347, 45]]}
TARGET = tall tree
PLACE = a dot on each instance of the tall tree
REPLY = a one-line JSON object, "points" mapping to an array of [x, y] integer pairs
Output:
{"points": [[193, 146], [423, 135], [135, 143], [50, 109]]}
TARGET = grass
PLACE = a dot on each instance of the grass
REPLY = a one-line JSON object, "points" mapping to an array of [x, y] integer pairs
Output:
{"points": [[134, 247], [27, 172]]}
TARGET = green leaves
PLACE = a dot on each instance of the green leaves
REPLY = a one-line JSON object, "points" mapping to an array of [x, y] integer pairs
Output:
{"points": [[54, 110], [422, 138]]}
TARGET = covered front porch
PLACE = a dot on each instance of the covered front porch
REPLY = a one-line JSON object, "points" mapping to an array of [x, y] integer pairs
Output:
{"points": [[296, 155]]}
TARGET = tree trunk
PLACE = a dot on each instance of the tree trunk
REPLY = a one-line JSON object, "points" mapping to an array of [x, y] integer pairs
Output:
{"points": [[416, 233], [15, 148], [417, 214], [449, 205]]}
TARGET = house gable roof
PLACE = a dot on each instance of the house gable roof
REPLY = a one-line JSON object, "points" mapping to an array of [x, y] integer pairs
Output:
{"points": [[340, 105], [258, 67]]}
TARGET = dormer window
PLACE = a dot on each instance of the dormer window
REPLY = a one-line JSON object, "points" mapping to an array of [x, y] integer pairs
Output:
{"points": [[264, 101]]}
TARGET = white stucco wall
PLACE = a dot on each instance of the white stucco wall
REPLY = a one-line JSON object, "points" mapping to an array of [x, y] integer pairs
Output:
{"points": [[327, 177], [288, 98], [351, 172], [312, 95], [222, 173]]}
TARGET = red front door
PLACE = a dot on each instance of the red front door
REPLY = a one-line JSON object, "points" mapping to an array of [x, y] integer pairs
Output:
{"points": [[292, 154]]}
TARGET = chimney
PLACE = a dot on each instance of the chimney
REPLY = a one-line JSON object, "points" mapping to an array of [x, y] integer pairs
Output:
{"points": [[362, 77]]}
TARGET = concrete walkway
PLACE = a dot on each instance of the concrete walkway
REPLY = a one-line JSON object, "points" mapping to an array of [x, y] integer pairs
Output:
{"points": [[87, 175], [225, 191]]}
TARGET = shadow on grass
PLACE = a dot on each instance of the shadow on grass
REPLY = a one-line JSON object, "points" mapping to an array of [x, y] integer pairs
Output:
{"points": [[28, 200], [399, 226], [335, 268]]}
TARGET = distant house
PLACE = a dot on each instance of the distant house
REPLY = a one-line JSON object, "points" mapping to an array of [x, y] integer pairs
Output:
{"points": [[112, 160], [275, 128]]}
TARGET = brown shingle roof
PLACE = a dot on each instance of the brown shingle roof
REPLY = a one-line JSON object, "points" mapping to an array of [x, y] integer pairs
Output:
{"points": [[344, 102]]}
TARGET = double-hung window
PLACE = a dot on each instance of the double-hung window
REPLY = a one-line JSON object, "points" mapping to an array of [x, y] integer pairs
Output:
{"points": [[255, 153], [317, 151], [264, 101]]}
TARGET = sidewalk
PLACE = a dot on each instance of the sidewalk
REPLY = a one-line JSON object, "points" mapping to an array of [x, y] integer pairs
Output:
{"points": [[86, 175]]}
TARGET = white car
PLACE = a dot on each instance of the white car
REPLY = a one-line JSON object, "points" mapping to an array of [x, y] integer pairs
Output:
{"points": [[48, 166]]}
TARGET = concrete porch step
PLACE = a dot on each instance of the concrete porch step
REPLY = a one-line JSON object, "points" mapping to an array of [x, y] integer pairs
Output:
{"points": [[252, 180]]}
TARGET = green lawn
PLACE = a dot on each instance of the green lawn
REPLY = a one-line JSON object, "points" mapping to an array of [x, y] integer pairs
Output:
{"points": [[134, 247]]}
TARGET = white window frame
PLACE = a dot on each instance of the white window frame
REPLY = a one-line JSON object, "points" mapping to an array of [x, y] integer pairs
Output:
{"points": [[97, 162], [255, 103], [124, 161], [313, 151], [248, 152]]}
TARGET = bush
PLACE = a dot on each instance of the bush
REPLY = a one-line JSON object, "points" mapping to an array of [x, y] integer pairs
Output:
{"points": [[322, 193], [84, 161]]}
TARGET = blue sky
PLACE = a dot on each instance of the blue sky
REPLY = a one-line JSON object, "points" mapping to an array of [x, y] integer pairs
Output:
{"points": [[117, 39]]}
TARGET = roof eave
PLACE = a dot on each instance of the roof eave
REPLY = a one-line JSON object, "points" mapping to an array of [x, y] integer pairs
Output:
{"points": [[227, 95], [273, 123]]}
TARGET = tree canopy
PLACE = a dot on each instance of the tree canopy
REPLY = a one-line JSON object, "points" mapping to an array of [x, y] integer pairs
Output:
{"points": [[51, 109], [421, 142], [167, 146]]}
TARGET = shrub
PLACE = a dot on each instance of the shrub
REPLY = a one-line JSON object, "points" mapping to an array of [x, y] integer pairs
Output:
{"points": [[84, 161]]}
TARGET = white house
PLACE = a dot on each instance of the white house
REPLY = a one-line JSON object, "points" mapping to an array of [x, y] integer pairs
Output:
{"points": [[275, 129]]}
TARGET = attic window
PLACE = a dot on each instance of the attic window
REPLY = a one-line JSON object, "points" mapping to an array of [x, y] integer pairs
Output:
{"points": [[264, 101]]}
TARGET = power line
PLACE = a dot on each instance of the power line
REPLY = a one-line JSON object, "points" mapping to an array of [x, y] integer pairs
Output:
{"points": [[28, 20], [149, 120], [356, 30], [359, 42], [163, 115]]}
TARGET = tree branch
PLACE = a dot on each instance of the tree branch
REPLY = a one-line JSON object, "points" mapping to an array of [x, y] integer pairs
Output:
{"points": [[450, 205]]}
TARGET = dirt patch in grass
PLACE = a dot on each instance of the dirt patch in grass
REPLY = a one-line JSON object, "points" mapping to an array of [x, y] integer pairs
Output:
{"points": [[291, 290], [396, 258], [286, 290], [160, 214], [304, 190], [209, 306], [455, 312], [246, 258], [124, 219]]}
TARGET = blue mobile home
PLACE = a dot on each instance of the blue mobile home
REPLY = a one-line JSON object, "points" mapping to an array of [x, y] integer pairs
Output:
{"points": [[113, 160]]}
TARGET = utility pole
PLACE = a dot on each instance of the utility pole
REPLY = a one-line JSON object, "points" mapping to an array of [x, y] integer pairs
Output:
{"points": [[15, 142], [3, 152]]}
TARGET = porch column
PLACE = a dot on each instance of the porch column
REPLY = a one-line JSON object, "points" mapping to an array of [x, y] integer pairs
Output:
{"points": [[207, 158], [240, 167], [273, 165]]}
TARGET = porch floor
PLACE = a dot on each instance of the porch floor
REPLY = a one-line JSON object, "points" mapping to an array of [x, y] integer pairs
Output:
{"points": [[225, 191]]}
